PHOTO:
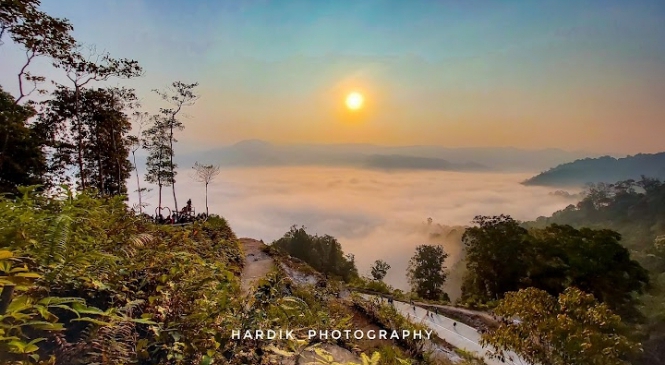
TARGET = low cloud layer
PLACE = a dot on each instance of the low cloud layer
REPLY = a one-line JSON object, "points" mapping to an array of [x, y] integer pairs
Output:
{"points": [[374, 214]]}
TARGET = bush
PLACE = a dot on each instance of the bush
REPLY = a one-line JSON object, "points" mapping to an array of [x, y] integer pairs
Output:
{"points": [[323, 253], [97, 282]]}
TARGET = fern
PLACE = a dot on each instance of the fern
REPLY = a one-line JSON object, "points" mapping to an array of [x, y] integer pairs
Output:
{"points": [[57, 239]]}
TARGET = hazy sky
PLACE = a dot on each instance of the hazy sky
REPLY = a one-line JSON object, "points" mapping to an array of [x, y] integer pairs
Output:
{"points": [[570, 74]]}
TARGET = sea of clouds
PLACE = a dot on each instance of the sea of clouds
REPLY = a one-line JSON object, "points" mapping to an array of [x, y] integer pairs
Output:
{"points": [[374, 214]]}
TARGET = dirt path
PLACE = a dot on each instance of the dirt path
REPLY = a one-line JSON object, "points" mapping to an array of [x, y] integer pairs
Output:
{"points": [[257, 263]]}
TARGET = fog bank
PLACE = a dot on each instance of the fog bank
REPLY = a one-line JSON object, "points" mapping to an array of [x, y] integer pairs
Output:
{"points": [[374, 214]]}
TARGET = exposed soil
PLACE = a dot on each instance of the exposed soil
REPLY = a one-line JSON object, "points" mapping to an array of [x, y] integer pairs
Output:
{"points": [[361, 322], [257, 263]]}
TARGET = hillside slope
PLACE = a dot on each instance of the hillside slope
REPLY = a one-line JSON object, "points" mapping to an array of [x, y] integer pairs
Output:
{"points": [[603, 169]]}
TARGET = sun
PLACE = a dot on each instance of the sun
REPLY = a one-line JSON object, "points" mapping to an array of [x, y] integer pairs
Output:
{"points": [[354, 101]]}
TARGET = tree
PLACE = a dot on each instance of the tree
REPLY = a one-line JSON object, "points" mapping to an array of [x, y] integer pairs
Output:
{"points": [[39, 34], [87, 131], [504, 257], [493, 253], [82, 71], [107, 149], [134, 142], [179, 95], [380, 270], [159, 170], [323, 253], [426, 272], [205, 174], [24, 162], [572, 328], [592, 260]]}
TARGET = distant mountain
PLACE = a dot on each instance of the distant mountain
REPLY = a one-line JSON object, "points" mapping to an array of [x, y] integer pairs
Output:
{"points": [[390, 162], [262, 153], [603, 169]]}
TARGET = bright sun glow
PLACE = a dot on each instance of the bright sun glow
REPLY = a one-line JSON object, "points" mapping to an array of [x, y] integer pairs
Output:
{"points": [[354, 101]]}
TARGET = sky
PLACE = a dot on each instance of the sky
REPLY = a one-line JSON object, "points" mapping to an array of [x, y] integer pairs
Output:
{"points": [[576, 75]]}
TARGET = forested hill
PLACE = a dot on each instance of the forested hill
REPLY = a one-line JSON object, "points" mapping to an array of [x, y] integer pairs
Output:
{"points": [[603, 169], [635, 209]]}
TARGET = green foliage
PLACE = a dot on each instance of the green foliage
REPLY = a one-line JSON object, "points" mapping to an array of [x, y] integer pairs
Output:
{"points": [[160, 170], [35, 30], [22, 161], [469, 358], [372, 286], [635, 209], [325, 358], [89, 128], [323, 253], [493, 254], [90, 276], [571, 329], [159, 139], [504, 257], [426, 272], [379, 270]]}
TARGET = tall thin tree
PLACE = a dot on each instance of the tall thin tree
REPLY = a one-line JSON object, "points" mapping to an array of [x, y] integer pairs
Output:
{"points": [[159, 169], [205, 174], [179, 95], [135, 144]]}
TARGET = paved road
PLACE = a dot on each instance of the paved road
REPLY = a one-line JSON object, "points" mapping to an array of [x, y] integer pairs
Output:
{"points": [[456, 333]]}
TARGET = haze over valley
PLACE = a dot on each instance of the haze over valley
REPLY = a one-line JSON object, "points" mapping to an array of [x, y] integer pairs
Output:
{"points": [[374, 214], [423, 157]]}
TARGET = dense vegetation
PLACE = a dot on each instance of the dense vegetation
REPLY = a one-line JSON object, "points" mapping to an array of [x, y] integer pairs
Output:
{"points": [[571, 328], [323, 253], [609, 245], [636, 210], [426, 272], [85, 280], [503, 257], [604, 169]]}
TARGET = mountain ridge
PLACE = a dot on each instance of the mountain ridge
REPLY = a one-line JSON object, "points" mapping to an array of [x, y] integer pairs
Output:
{"points": [[603, 169], [256, 152]]}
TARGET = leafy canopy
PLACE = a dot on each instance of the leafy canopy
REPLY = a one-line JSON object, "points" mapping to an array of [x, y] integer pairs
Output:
{"points": [[572, 328]]}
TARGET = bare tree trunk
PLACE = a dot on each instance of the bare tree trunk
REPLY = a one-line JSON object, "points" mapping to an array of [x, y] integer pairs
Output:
{"points": [[160, 198], [79, 141], [207, 199], [138, 182], [100, 183], [115, 150], [175, 200]]}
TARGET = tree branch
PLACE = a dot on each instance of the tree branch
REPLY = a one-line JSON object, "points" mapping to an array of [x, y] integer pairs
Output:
{"points": [[30, 55]]}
